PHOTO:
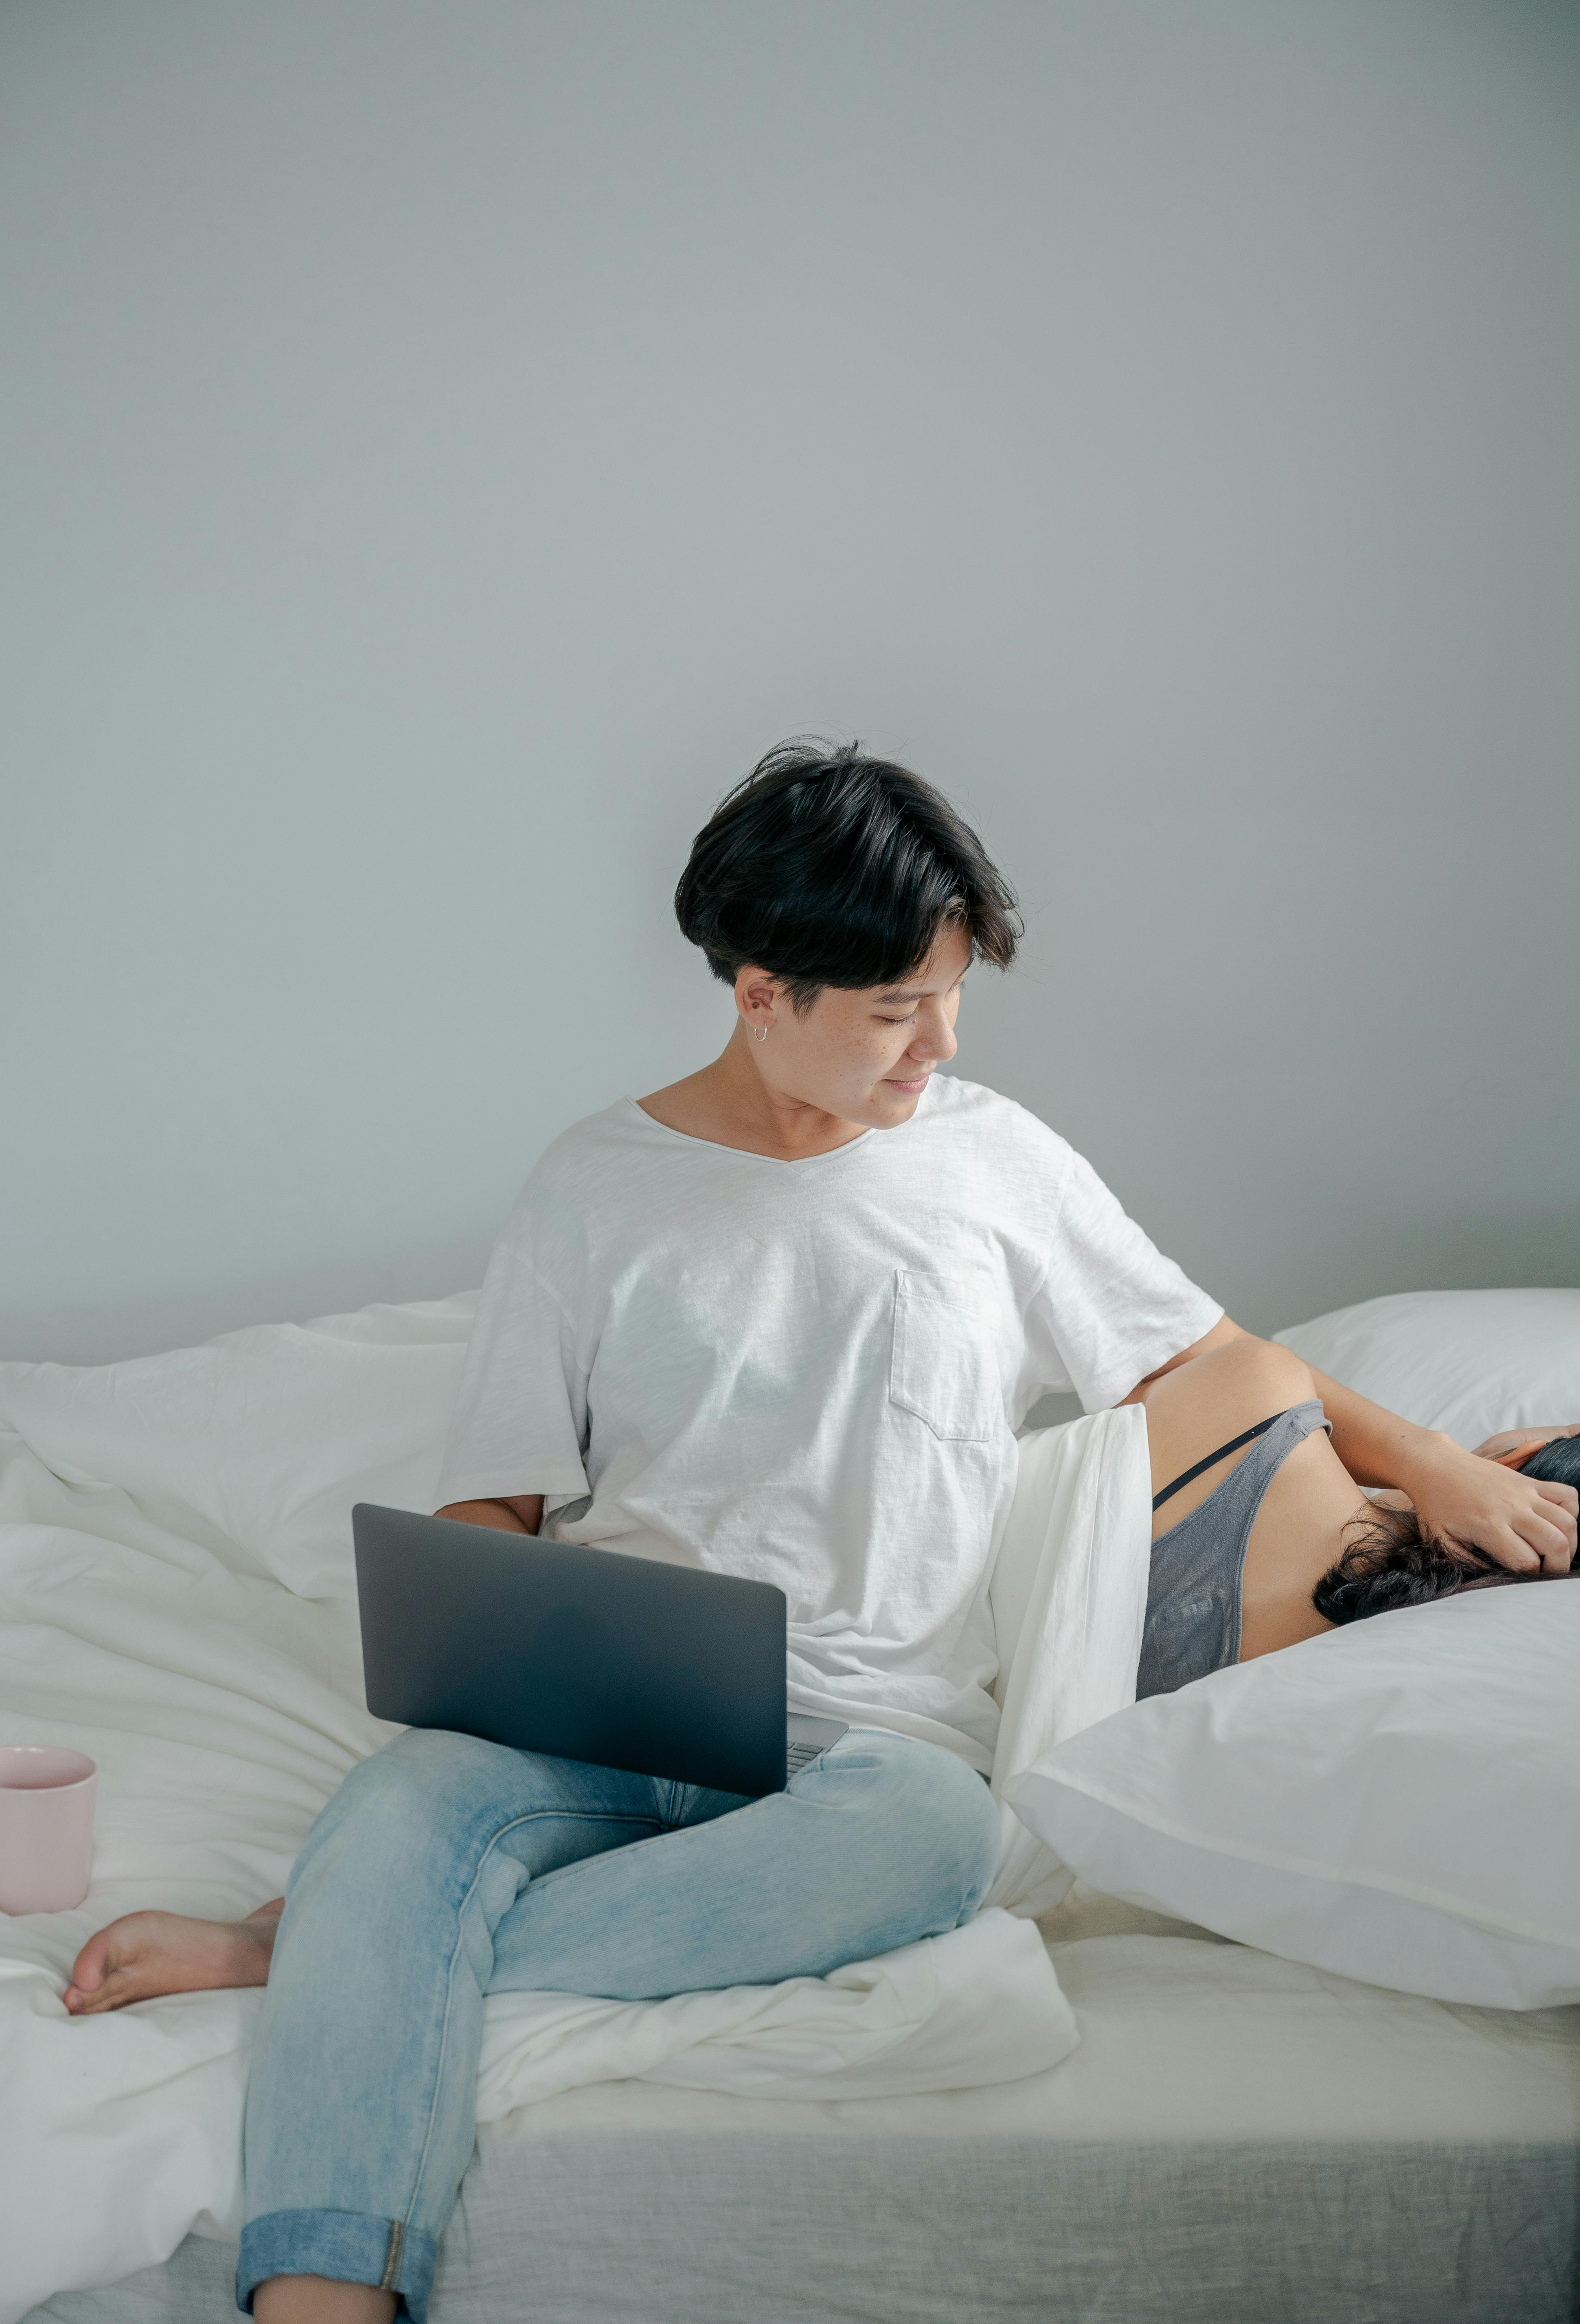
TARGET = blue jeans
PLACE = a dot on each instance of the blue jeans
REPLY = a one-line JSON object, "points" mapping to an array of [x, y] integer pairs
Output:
{"points": [[445, 1869]]}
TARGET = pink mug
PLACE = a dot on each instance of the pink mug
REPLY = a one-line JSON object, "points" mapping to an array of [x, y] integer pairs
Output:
{"points": [[46, 1827]]}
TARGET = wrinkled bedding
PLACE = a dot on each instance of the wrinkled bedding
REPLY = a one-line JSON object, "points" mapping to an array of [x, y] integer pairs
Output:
{"points": [[177, 1597]]}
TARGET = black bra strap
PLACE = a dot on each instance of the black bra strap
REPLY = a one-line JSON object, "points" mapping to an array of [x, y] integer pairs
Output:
{"points": [[1212, 1459]]}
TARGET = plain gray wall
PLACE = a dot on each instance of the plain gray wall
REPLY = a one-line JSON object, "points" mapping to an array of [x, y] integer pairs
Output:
{"points": [[443, 445]]}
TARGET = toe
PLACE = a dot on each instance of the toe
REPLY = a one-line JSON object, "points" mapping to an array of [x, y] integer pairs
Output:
{"points": [[88, 1970], [114, 1990]]}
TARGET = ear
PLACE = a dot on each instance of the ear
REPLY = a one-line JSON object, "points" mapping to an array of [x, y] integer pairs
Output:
{"points": [[758, 997]]}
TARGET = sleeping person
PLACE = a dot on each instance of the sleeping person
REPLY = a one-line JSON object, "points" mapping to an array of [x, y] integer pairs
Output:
{"points": [[779, 1319], [1262, 1536]]}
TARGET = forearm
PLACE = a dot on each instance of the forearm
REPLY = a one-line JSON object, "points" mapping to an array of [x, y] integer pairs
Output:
{"points": [[1524, 1525], [522, 1515]]}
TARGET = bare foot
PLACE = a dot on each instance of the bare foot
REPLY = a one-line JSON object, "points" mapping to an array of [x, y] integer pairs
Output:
{"points": [[148, 1953]]}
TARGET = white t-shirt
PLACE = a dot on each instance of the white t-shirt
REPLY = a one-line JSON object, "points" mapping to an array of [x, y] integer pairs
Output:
{"points": [[810, 1373]]}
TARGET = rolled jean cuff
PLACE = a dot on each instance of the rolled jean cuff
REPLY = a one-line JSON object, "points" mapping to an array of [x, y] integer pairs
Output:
{"points": [[347, 2246]]}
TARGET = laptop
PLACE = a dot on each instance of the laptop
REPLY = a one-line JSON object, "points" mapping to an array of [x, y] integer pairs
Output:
{"points": [[549, 1645]]}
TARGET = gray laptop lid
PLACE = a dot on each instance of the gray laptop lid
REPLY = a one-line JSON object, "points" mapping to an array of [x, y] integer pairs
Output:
{"points": [[553, 1647]]}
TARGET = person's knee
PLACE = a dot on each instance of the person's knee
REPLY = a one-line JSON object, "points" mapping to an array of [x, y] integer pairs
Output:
{"points": [[392, 1806], [945, 1818], [969, 1813]]}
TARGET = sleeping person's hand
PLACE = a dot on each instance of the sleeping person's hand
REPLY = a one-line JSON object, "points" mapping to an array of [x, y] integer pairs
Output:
{"points": [[1526, 1524], [1525, 1440]]}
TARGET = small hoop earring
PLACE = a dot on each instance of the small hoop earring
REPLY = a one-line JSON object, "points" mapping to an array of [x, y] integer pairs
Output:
{"points": [[758, 1036]]}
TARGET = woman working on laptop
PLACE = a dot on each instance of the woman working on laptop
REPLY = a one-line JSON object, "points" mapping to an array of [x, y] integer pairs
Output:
{"points": [[780, 1319]]}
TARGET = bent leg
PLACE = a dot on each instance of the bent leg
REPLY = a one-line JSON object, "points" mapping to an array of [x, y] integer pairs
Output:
{"points": [[445, 1867], [360, 2105], [879, 1842]]}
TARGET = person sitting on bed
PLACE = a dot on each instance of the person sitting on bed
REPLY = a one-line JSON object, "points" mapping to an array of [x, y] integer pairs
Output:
{"points": [[781, 1319]]}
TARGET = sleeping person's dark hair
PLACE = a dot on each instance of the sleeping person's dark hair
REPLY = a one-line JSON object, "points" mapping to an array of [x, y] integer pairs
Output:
{"points": [[828, 867], [1388, 1565]]}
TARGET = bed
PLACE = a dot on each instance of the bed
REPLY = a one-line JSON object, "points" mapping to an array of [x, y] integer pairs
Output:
{"points": [[1238, 2138]]}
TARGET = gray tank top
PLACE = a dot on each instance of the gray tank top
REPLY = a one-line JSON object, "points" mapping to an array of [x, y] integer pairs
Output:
{"points": [[1193, 1597]]}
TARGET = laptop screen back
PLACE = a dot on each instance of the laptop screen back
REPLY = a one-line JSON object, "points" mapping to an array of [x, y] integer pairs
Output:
{"points": [[552, 1647]]}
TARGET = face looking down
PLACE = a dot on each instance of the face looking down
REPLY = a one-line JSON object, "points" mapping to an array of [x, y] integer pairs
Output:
{"points": [[867, 1055]]}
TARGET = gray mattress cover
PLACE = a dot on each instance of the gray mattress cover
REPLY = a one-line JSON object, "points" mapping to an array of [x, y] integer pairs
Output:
{"points": [[1238, 2140]]}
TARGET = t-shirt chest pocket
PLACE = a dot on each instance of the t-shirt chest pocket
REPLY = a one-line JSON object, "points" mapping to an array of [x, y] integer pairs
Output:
{"points": [[943, 1365]]}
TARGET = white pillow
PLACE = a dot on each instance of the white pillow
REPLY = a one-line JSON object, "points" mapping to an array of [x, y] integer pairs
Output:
{"points": [[1470, 1362], [258, 1443], [1398, 1799]]}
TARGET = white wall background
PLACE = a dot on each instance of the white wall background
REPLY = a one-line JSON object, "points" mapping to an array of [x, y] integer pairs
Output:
{"points": [[443, 444]]}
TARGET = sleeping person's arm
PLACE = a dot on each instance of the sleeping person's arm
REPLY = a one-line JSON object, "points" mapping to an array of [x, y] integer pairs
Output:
{"points": [[521, 1514], [1527, 1525]]}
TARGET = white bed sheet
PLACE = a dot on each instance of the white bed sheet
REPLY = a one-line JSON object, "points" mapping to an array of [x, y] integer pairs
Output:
{"points": [[1188, 2038]]}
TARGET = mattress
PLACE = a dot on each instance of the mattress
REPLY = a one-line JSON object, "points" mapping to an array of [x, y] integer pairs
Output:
{"points": [[1237, 2140]]}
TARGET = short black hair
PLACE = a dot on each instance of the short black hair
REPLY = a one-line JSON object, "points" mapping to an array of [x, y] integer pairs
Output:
{"points": [[1390, 1563], [826, 867]]}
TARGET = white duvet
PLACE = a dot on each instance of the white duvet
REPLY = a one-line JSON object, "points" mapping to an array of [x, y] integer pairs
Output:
{"points": [[177, 1597]]}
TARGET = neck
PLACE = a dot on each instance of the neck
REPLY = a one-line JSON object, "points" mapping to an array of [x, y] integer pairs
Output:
{"points": [[731, 1103]]}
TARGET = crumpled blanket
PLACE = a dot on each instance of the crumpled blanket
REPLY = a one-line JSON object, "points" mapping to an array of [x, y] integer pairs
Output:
{"points": [[177, 1597]]}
